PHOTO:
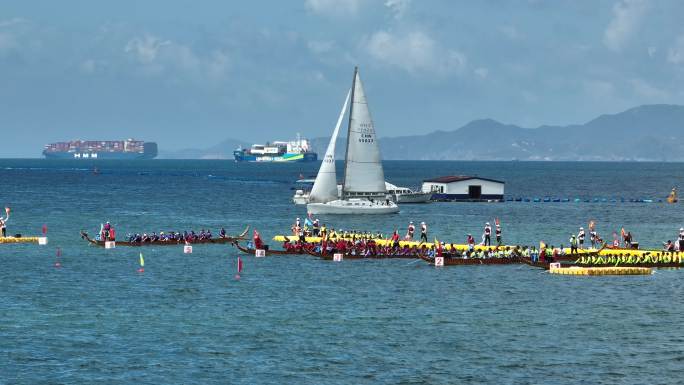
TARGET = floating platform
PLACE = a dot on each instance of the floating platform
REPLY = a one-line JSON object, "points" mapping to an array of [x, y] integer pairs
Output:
{"points": [[619, 270], [5, 240]]}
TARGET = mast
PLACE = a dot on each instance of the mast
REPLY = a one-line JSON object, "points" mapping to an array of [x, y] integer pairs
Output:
{"points": [[346, 151]]}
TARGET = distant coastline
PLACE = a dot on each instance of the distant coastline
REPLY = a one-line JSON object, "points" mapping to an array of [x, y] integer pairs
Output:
{"points": [[648, 133]]}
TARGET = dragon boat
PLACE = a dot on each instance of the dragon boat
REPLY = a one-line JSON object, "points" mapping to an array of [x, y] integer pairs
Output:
{"points": [[268, 251], [219, 240]]}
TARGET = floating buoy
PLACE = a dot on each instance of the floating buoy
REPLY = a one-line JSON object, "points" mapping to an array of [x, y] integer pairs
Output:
{"points": [[239, 268]]}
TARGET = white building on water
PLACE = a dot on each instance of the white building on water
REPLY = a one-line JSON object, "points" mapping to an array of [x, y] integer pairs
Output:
{"points": [[464, 188]]}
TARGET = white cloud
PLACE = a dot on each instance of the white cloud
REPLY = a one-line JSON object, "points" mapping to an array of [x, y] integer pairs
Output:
{"points": [[145, 49], [511, 32], [675, 54], [413, 52], [481, 72], [89, 66], [320, 47], [398, 7], [650, 93], [599, 89], [157, 56], [12, 22], [333, 7], [10, 33], [7, 42], [627, 16]]}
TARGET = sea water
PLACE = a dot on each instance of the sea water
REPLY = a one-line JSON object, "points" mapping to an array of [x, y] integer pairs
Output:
{"points": [[299, 320]]}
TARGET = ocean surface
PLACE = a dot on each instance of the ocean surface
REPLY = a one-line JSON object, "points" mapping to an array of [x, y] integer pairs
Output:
{"points": [[298, 320]]}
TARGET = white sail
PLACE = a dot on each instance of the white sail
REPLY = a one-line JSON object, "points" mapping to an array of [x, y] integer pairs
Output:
{"points": [[325, 187], [363, 173]]}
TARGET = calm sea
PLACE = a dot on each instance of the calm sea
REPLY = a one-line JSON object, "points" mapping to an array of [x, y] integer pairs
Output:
{"points": [[298, 320]]}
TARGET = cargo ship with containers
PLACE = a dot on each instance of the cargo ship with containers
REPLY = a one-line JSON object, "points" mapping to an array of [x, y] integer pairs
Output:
{"points": [[107, 149], [298, 150]]}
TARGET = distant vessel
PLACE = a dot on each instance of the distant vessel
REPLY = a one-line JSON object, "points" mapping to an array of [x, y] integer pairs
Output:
{"points": [[363, 189], [108, 149], [406, 195], [293, 151]]}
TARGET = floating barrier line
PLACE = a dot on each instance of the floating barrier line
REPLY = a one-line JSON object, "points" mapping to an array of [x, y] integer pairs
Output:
{"points": [[548, 199]]}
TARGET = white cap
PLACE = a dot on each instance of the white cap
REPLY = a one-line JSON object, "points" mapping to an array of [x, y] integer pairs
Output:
{"points": [[422, 223], [681, 229], [411, 222], [581, 228], [487, 223]]}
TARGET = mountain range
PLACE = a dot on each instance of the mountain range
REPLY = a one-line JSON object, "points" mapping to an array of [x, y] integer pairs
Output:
{"points": [[644, 133]]}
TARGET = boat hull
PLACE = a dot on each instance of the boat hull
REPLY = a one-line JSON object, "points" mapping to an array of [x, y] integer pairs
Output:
{"points": [[99, 155], [352, 207], [416, 197], [241, 156]]}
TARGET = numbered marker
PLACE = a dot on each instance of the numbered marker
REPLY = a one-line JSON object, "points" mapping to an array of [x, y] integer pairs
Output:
{"points": [[42, 241], [259, 253], [187, 249], [110, 245], [439, 261], [337, 257], [555, 265]]}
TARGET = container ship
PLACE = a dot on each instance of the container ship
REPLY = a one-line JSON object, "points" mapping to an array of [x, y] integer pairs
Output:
{"points": [[108, 149], [294, 151]]}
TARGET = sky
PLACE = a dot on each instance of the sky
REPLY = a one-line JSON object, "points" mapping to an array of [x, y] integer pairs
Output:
{"points": [[190, 74]]}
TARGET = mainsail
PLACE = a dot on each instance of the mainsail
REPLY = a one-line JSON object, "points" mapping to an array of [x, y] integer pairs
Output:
{"points": [[363, 173], [325, 187]]}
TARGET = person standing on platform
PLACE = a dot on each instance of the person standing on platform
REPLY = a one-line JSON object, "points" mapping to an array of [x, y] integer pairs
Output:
{"points": [[423, 232], [3, 222], [411, 230], [487, 235], [573, 244], [498, 234], [580, 237]]}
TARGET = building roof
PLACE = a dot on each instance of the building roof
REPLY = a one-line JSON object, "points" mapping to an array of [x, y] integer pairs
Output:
{"points": [[458, 178]]}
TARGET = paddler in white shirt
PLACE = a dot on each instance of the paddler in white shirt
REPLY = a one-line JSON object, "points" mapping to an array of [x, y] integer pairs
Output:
{"points": [[580, 237], [3, 222]]}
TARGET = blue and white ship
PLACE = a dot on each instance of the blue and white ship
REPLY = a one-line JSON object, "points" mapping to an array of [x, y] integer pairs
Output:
{"points": [[294, 151]]}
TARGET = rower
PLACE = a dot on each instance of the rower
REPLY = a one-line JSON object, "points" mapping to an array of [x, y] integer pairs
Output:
{"points": [[222, 233], [105, 231], [580, 237], [669, 246], [471, 242], [487, 241]]}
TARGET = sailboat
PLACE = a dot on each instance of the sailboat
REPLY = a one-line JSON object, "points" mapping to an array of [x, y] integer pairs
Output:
{"points": [[363, 189]]}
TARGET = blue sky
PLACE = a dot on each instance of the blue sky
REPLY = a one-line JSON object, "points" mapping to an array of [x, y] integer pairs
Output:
{"points": [[190, 74]]}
